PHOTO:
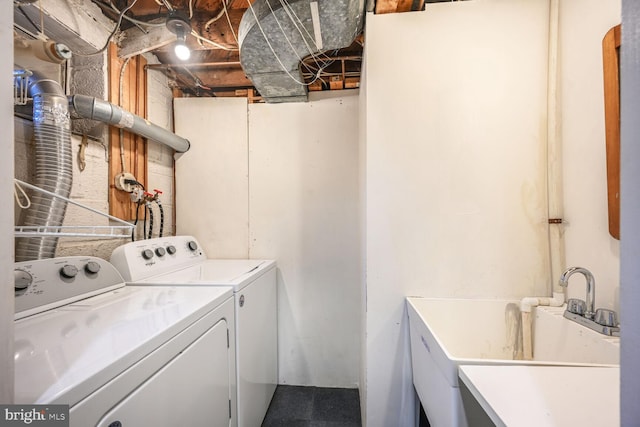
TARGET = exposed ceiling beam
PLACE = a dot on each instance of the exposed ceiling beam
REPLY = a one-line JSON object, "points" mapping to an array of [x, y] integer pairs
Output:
{"points": [[135, 42], [395, 6]]}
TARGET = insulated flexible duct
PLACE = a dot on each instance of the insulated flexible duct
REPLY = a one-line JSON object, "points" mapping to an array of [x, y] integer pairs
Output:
{"points": [[53, 167]]}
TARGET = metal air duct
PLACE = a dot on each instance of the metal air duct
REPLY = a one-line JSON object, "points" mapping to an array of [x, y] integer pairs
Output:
{"points": [[53, 167], [88, 107], [54, 164], [276, 35]]}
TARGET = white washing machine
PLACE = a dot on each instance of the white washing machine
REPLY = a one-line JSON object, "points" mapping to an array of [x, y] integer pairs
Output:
{"points": [[122, 356], [179, 260]]}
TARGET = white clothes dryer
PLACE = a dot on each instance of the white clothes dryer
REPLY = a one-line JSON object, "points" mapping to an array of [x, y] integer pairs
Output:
{"points": [[122, 356], [179, 261]]}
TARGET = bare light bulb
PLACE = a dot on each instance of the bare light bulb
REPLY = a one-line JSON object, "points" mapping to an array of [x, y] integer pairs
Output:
{"points": [[182, 51]]}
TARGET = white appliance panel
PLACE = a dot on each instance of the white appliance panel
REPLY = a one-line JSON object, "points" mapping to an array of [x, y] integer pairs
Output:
{"points": [[92, 409], [63, 355], [257, 348], [254, 286], [236, 273], [146, 258], [193, 389]]}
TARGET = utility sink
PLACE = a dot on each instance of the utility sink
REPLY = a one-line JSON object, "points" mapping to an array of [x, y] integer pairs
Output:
{"points": [[446, 333]]}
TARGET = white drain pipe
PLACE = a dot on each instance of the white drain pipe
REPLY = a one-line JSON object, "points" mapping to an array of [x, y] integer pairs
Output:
{"points": [[554, 188]]}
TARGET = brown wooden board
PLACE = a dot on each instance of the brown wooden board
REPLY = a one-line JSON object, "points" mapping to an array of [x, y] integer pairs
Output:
{"points": [[611, 71], [134, 100]]}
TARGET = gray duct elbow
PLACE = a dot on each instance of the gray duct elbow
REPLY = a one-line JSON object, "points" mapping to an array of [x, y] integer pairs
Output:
{"points": [[89, 107]]}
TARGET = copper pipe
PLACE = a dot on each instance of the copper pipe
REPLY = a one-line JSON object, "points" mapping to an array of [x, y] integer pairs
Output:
{"points": [[194, 65]]}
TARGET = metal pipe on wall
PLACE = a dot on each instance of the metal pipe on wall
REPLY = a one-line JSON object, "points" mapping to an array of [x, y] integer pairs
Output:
{"points": [[89, 107]]}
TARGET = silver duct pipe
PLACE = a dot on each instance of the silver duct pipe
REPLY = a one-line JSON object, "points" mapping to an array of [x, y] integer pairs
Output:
{"points": [[89, 107], [53, 167]]}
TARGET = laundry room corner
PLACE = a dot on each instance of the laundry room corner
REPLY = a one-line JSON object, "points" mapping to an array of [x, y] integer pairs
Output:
{"points": [[291, 193]]}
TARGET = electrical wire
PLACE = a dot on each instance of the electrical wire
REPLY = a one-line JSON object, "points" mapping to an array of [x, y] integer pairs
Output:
{"points": [[113, 33], [196, 80], [226, 12], [292, 14], [29, 19], [168, 6], [284, 68], [136, 21], [273, 14], [218, 45], [120, 94], [135, 223], [266, 39], [17, 187], [215, 18], [138, 203]]}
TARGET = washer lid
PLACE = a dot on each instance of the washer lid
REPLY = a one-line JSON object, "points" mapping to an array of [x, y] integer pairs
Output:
{"points": [[236, 273], [63, 355]]}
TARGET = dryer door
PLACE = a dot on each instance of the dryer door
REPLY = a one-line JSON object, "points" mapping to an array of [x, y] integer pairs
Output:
{"points": [[192, 389]]}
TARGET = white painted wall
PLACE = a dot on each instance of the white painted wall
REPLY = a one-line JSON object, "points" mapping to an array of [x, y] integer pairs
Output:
{"points": [[456, 190], [362, 168], [287, 190], [583, 24], [304, 212], [630, 228], [212, 178], [6, 215]]}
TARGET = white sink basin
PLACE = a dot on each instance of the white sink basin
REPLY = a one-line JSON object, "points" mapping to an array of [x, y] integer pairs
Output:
{"points": [[446, 333]]}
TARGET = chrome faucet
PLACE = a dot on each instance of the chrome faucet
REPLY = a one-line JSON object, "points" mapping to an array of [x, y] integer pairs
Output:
{"points": [[591, 288], [601, 320]]}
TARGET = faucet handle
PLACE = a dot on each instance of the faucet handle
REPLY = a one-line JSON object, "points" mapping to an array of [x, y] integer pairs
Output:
{"points": [[606, 317], [576, 306]]}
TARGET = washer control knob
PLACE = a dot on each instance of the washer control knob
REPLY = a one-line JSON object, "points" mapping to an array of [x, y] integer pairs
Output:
{"points": [[171, 249], [160, 252], [69, 271], [192, 245], [92, 267], [147, 254], [22, 279]]}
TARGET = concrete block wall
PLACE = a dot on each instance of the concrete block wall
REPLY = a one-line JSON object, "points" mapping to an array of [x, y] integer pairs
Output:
{"points": [[90, 186], [160, 167]]}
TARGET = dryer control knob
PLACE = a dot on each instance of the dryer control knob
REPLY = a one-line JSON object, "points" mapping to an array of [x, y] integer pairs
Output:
{"points": [[92, 267], [147, 254], [171, 249], [160, 252], [192, 245], [69, 271], [21, 279]]}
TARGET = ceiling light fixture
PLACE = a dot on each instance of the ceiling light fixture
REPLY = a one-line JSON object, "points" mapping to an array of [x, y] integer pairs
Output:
{"points": [[178, 23]]}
